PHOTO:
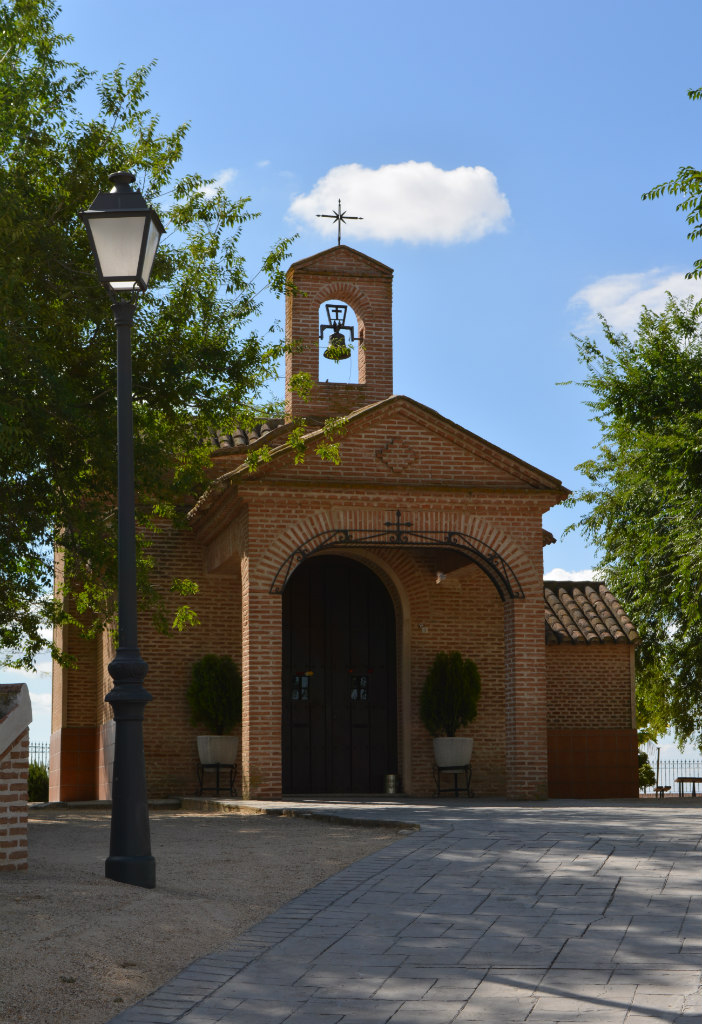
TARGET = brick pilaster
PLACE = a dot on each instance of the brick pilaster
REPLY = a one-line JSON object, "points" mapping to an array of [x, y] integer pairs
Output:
{"points": [[526, 738], [261, 666]]}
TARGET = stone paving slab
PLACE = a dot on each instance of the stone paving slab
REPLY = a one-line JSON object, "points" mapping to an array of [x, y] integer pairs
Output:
{"points": [[490, 912]]}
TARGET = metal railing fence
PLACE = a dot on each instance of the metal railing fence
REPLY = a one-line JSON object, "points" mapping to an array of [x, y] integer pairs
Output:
{"points": [[669, 771], [39, 752]]}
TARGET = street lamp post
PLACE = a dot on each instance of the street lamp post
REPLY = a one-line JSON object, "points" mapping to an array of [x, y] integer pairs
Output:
{"points": [[124, 234]]}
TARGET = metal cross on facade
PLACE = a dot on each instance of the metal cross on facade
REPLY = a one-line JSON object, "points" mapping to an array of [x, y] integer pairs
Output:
{"points": [[396, 527], [340, 217]]}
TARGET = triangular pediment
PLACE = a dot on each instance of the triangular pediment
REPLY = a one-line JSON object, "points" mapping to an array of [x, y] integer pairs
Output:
{"points": [[401, 441], [341, 260]]}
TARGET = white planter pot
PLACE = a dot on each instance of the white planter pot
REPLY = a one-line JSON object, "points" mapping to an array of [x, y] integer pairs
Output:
{"points": [[452, 751], [218, 749]]}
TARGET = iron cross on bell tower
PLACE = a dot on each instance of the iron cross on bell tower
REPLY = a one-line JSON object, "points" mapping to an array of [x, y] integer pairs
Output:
{"points": [[340, 217]]}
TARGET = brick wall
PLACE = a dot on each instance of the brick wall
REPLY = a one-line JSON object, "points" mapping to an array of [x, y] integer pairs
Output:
{"points": [[235, 558], [170, 741], [528, 687], [73, 761], [590, 686], [592, 740], [14, 763], [465, 613], [74, 720]]}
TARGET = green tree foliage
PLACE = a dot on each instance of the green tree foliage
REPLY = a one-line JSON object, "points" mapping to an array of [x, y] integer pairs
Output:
{"points": [[687, 184], [214, 694], [37, 783], [644, 497], [449, 699], [199, 364], [647, 776]]}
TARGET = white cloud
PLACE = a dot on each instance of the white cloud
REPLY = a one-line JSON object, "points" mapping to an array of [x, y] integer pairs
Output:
{"points": [[41, 702], [583, 575], [7, 670], [221, 180], [22, 675], [263, 163], [620, 297], [410, 202]]}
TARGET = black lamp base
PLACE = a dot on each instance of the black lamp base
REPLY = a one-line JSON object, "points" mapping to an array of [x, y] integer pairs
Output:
{"points": [[132, 870]]}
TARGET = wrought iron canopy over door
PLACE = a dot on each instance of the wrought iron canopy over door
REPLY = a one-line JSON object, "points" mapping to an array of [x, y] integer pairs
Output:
{"points": [[339, 687]]}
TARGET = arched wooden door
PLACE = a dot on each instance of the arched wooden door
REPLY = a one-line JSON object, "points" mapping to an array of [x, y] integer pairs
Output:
{"points": [[339, 687]]}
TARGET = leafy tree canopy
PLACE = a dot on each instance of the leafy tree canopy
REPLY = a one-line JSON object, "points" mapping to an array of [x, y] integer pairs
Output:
{"points": [[199, 363], [687, 184], [644, 494]]}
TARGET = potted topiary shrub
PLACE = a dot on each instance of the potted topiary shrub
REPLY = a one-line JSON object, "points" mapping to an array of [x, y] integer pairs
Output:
{"points": [[214, 696], [449, 701]]}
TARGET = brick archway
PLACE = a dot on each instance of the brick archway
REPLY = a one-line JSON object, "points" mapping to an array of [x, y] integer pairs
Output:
{"points": [[401, 534], [516, 576]]}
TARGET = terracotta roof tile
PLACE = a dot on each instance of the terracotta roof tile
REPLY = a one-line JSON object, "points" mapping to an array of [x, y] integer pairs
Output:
{"points": [[223, 441], [585, 613]]}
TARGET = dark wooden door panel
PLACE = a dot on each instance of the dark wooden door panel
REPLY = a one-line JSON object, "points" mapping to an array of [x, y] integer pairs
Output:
{"points": [[339, 727]]}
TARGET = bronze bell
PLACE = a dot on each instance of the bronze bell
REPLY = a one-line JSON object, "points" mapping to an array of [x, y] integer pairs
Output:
{"points": [[337, 348]]}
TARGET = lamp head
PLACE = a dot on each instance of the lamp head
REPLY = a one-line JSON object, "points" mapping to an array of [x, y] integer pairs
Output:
{"points": [[124, 234]]}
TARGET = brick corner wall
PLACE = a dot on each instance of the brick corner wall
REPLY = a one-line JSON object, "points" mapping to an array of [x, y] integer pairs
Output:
{"points": [[14, 769]]}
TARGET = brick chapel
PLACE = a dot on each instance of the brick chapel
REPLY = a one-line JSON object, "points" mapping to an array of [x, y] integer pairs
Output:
{"points": [[334, 586]]}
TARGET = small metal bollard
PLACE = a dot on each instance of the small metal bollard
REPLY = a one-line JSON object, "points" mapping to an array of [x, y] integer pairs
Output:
{"points": [[391, 783]]}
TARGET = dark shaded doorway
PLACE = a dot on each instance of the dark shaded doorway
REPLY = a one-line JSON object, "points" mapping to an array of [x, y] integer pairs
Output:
{"points": [[339, 687]]}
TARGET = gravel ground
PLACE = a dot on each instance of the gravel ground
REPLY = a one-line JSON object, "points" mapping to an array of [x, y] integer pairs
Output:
{"points": [[77, 948]]}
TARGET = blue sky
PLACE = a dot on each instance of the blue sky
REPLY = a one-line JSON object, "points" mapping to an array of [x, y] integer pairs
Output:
{"points": [[497, 153]]}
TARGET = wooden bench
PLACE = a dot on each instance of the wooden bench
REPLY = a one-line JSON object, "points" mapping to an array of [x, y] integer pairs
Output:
{"points": [[660, 791], [687, 778]]}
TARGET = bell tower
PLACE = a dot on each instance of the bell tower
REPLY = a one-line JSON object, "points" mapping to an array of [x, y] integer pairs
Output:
{"points": [[326, 283]]}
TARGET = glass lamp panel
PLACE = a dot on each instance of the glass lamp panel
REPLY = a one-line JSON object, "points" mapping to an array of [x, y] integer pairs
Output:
{"points": [[154, 237], [124, 286], [117, 242]]}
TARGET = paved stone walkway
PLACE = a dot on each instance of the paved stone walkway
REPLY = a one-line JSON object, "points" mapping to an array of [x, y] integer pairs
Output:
{"points": [[491, 911]]}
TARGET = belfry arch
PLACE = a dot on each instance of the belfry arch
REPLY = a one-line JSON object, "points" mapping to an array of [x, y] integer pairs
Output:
{"points": [[341, 341]]}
